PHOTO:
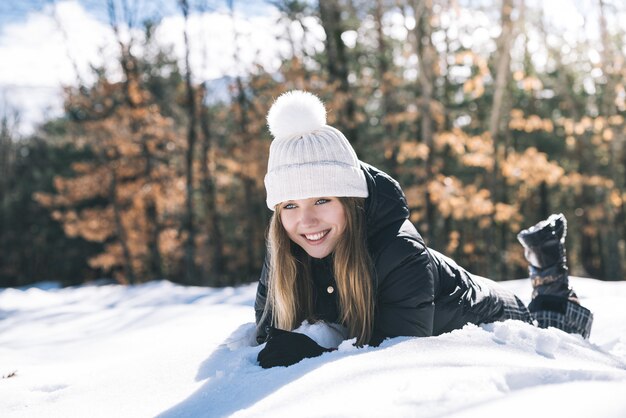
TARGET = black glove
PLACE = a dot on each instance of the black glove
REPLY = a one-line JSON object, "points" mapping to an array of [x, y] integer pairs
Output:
{"points": [[284, 348]]}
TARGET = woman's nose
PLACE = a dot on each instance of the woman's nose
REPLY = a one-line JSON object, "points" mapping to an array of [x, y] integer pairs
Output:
{"points": [[308, 217]]}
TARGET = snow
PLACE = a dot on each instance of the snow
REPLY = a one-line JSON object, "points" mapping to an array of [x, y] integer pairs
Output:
{"points": [[159, 349]]}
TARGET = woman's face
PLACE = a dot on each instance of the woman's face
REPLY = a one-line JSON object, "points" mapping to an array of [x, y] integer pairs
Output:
{"points": [[315, 224]]}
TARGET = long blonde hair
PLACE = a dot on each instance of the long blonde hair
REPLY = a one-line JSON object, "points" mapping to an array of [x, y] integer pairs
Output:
{"points": [[290, 283]]}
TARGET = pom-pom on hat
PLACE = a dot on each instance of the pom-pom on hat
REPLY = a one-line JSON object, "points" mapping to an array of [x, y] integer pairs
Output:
{"points": [[307, 157]]}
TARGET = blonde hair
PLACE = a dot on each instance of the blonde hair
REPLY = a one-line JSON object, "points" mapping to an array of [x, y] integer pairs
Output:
{"points": [[290, 283]]}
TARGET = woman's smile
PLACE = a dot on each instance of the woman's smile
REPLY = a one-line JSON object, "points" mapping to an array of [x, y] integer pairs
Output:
{"points": [[317, 237]]}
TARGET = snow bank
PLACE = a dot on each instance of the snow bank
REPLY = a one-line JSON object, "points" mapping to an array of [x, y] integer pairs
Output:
{"points": [[164, 350]]}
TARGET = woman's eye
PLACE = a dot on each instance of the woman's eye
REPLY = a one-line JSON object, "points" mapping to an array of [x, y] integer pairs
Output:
{"points": [[322, 201], [289, 206]]}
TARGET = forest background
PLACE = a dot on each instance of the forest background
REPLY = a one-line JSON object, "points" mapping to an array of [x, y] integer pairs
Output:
{"points": [[488, 112]]}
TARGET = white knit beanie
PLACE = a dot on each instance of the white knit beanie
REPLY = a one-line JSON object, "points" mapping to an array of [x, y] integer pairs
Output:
{"points": [[307, 157]]}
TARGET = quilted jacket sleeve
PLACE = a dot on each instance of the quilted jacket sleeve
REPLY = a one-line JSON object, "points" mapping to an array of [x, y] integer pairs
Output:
{"points": [[262, 316]]}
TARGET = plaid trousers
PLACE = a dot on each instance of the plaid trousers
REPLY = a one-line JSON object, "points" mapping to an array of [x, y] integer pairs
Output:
{"points": [[545, 311]]}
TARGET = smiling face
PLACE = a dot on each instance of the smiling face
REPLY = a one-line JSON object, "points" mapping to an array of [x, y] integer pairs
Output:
{"points": [[315, 224]]}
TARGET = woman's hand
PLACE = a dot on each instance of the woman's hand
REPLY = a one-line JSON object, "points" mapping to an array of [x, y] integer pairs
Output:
{"points": [[284, 348]]}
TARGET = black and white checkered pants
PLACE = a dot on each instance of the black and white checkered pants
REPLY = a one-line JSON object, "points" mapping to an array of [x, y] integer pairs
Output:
{"points": [[545, 311]]}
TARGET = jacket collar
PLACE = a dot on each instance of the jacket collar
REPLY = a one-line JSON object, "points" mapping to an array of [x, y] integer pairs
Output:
{"points": [[386, 203]]}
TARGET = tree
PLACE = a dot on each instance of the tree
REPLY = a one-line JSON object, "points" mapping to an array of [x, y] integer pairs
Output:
{"points": [[497, 122], [337, 59], [33, 245], [189, 224], [126, 194]]}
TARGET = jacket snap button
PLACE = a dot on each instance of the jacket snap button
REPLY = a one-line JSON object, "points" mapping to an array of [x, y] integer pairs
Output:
{"points": [[330, 289]]}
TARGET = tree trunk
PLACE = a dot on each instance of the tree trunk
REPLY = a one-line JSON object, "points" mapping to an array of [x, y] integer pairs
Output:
{"points": [[544, 204], [426, 80], [386, 89], [495, 182], [243, 127], [210, 198], [6, 157], [248, 185], [155, 263], [607, 54], [502, 69], [135, 98], [121, 231], [445, 97], [613, 256], [330, 14], [190, 242], [247, 182]]}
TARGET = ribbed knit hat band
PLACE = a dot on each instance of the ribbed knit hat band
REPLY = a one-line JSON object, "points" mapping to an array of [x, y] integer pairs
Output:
{"points": [[307, 157]]}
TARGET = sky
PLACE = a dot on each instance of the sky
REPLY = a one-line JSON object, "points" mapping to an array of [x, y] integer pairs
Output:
{"points": [[164, 350], [45, 44]]}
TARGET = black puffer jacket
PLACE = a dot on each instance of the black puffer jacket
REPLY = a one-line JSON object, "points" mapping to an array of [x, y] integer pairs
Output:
{"points": [[419, 292]]}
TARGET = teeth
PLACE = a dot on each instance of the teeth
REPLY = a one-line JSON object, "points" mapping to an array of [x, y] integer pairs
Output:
{"points": [[316, 237]]}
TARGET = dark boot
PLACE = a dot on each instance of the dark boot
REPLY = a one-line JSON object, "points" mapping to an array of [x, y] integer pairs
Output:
{"points": [[544, 248], [554, 302]]}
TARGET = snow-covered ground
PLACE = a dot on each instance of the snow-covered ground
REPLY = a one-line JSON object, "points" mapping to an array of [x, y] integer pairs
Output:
{"points": [[164, 350]]}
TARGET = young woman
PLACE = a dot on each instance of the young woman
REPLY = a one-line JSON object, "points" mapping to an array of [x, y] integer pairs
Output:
{"points": [[342, 250]]}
